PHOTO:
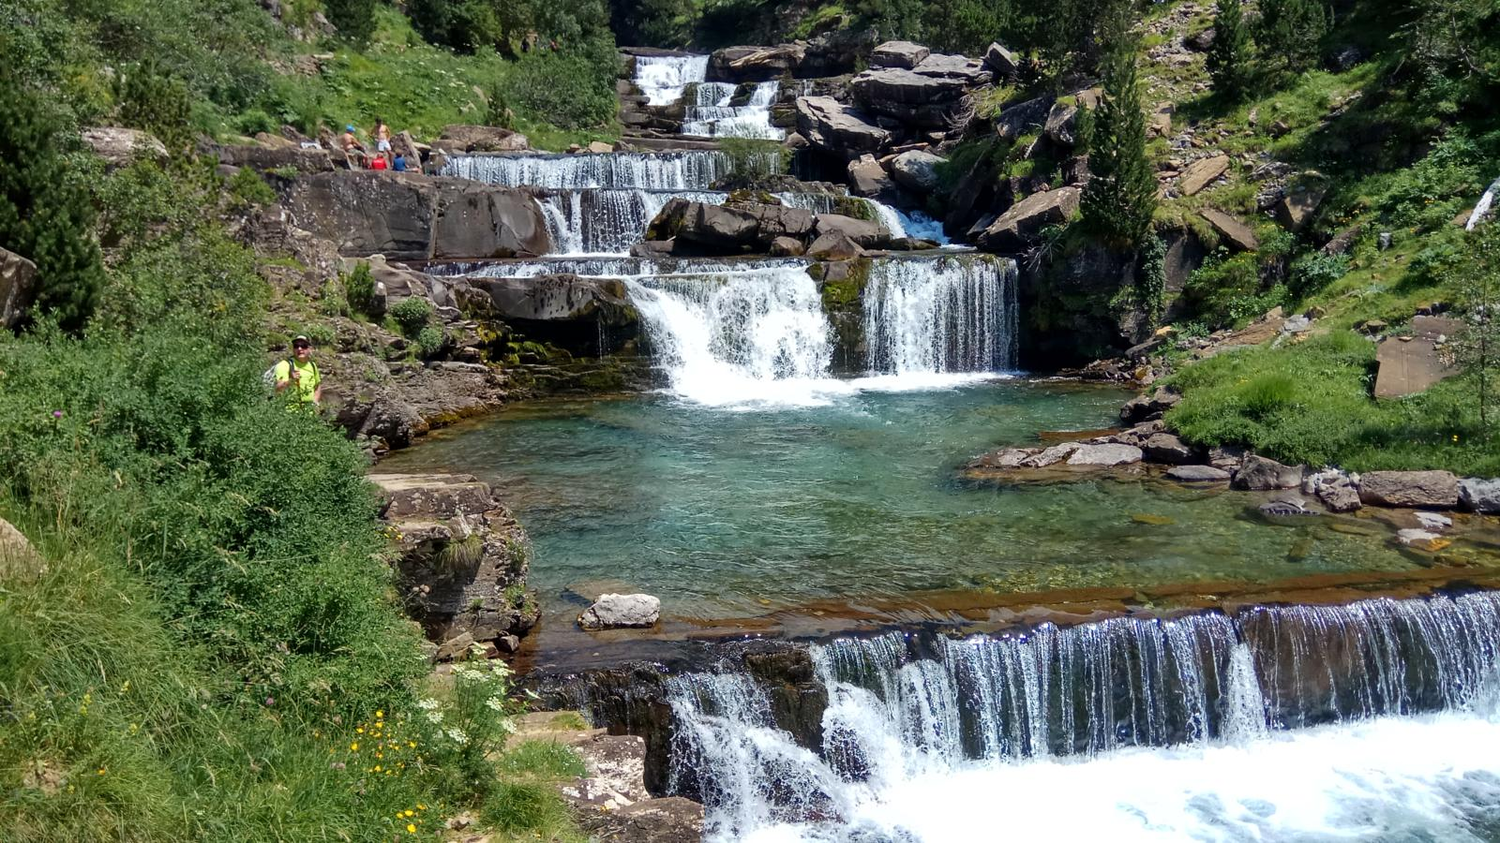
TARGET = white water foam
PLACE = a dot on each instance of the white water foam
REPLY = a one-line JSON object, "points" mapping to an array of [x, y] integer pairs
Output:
{"points": [[944, 315], [711, 114], [1483, 208], [664, 78]]}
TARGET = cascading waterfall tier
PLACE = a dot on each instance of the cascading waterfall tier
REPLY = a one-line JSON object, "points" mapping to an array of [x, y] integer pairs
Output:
{"points": [[607, 222], [664, 78], [1145, 725], [712, 115], [951, 314], [679, 171]]}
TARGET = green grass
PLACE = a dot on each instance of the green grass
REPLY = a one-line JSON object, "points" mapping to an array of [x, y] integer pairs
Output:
{"points": [[1310, 403]]}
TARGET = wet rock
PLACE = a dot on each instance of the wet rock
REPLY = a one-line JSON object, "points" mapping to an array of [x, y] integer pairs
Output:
{"points": [[1001, 61], [1479, 495], [1003, 458], [867, 177], [916, 170], [1201, 174], [1422, 540], [866, 233], [1147, 407], [1106, 454], [670, 819], [119, 147], [1433, 521], [1051, 456], [548, 298], [903, 54], [1284, 508], [1168, 448], [1198, 474], [785, 247], [614, 611], [1259, 474], [1434, 489], [834, 246], [1234, 233], [1336, 489], [17, 288], [835, 127], [1015, 228]]}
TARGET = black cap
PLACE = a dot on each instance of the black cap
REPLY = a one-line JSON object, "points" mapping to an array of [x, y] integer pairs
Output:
{"points": [[301, 340]]}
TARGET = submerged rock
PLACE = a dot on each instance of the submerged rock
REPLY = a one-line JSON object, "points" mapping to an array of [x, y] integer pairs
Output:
{"points": [[1198, 474], [1258, 474], [1285, 508], [1107, 454], [612, 611], [1422, 540]]}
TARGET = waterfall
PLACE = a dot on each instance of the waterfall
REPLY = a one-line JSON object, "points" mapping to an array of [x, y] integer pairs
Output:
{"points": [[608, 222], [952, 314], [1119, 728], [664, 78], [711, 114], [1483, 208], [685, 170], [738, 337]]}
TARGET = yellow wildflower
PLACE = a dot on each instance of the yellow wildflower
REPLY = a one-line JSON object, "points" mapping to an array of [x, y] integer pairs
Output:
{"points": [[411, 828], [409, 812], [379, 714], [354, 747]]}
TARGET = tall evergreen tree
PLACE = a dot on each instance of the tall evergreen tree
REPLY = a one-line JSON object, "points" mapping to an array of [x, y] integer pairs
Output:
{"points": [[1229, 56], [45, 215], [1291, 31], [1120, 199]]}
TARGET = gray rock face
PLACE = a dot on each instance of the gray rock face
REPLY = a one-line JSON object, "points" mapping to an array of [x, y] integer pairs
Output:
{"points": [[1434, 489], [1001, 61], [118, 147], [462, 557], [1258, 474], [1201, 174], [263, 158], [835, 127], [1235, 233], [728, 229], [934, 94], [17, 287], [1198, 474], [785, 247], [549, 298], [867, 177], [613, 611], [1050, 456], [1480, 495], [866, 233], [1022, 221], [898, 54], [754, 64], [834, 246], [410, 217], [916, 170], [1106, 454], [1062, 122], [1023, 118], [1301, 201], [1168, 448]]}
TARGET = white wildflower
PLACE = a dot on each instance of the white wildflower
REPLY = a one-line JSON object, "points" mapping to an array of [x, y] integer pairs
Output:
{"points": [[496, 704], [435, 716], [427, 704], [458, 736], [508, 726]]}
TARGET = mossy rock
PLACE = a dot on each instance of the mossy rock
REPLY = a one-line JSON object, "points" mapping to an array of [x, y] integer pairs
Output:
{"points": [[853, 206]]}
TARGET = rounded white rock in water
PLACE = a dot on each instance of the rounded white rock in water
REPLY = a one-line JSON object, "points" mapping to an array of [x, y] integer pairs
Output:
{"points": [[612, 611]]}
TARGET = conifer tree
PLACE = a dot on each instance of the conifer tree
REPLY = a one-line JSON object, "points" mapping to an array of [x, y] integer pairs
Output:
{"points": [[45, 214], [1120, 199], [1290, 31], [1229, 56]]}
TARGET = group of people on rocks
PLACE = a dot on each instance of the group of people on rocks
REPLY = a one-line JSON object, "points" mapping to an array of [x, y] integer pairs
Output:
{"points": [[385, 156]]}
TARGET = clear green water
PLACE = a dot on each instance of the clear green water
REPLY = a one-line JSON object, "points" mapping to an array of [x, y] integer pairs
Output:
{"points": [[727, 513]]}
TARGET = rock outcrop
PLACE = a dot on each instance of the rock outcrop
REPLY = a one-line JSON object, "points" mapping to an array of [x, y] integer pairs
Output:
{"points": [[119, 146], [463, 559], [410, 217], [1015, 228], [737, 227], [1478, 495], [460, 138], [1259, 474], [934, 94], [834, 127], [899, 54], [17, 288]]}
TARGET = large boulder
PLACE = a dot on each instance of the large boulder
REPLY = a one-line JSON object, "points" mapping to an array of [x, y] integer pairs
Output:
{"points": [[119, 147], [1338, 490], [835, 127], [1259, 474], [548, 298], [405, 216], [1201, 174], [834, 246], [699, 227], [1429, 489], [1001, 61], [1235, 234], [17, 287], [932, 95], [916, 170], [1478, 495], [1149, 406], [462, 138], [1023, 118], [867, 177], [755, 64], [866, 233], [1015, 228], [1104, 455], [463, 559], [1301, 201], [614, 611], [903, 54], [1168, 448]]}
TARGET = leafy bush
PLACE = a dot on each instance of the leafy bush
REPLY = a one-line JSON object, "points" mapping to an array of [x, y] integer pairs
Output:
{"points": [[1221, 288], [412, 315], [248, 188], [1315, 271], [152, 100], [255, 121], [354, 19], [430, 341], [45, 212], [567, 90]]}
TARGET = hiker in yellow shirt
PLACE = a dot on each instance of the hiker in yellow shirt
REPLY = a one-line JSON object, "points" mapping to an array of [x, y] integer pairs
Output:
{"points": [[302, 377]]}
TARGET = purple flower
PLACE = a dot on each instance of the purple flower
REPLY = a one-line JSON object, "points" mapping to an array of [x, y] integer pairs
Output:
{"points": [[270, 700], [57, 414]]}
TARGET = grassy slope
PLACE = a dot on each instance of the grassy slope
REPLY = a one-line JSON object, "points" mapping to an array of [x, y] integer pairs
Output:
{"points": [[1310, 402]]}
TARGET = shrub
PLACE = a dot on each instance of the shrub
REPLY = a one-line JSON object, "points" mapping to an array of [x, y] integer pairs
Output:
{"points": [[248, 188], [152, 100], [45, 212], [412, 314], [255, 121], [354, 19], [1229, 55], [359, 289], [430, 341], [568, 90], [751, 164], [1315, 271]]}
